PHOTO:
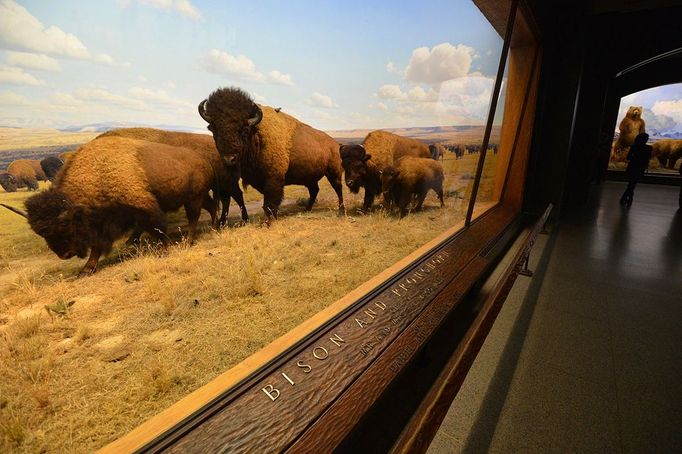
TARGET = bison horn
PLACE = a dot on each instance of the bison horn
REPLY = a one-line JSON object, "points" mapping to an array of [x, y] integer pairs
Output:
{"points": [[202, 111], [253, 121], [278, 109], [16, 210]]}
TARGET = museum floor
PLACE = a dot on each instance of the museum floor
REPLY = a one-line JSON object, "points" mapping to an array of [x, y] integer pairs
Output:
{"points": [[586, 356]]}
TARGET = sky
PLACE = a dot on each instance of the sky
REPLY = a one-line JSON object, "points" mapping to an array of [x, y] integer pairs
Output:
{"points": [[662, 107], [341, 64]]}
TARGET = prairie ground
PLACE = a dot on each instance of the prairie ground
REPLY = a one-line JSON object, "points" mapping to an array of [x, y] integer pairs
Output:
{"points": [[83, 361]]}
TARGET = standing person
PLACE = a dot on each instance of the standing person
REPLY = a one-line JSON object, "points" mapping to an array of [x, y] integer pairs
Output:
{"points": [[638, 157]]}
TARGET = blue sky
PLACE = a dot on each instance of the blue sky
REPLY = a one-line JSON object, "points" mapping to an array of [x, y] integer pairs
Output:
{"points": [[334, 64], [662, 107]]}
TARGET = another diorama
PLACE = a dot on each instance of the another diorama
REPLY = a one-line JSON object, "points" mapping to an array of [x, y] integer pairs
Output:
{"points": [[660, 116]]}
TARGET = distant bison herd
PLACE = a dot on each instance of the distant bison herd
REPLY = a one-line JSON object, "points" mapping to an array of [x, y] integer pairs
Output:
{"points": [[127, 180]]}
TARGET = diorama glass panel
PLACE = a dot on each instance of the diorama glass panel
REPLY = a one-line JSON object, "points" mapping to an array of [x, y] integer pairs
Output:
{"points": [[656, 112], [512, 121], [86, 359]]}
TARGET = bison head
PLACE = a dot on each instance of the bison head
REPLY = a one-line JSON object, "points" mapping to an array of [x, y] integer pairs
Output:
{"points": [[354, 161], [8, 182], [52, 216], [232, 117]]}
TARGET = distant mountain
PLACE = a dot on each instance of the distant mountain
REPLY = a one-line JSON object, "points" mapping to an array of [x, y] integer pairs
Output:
{"points": [[108, 126]]}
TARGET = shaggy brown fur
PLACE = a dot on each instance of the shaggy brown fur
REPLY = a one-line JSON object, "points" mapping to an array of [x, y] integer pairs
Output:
{"points": [[25, 174], [437, 151], [411, 177], [66, 155], [667, 151], [8, 181], [51, 166], [274, 150], [227, 182], [40, 173], [630, 127], [364, 163], [114, 184]]}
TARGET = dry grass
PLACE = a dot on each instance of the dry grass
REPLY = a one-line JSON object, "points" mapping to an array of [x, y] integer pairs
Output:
{"points": [[152, 326], [11, 138]]}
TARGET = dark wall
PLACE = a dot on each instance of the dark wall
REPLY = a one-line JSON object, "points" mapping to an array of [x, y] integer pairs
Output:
{"points": [[560, 28], [582, 55]]}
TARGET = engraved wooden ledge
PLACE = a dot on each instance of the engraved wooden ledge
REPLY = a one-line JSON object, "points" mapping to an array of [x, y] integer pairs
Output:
{"points": [[311, 396]]}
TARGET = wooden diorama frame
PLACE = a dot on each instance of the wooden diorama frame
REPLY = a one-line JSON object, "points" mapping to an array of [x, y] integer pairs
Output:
{"points": [[306, 391]]}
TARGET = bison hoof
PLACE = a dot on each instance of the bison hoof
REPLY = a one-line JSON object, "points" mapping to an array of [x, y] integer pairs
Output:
{"points": [[87, 271]]}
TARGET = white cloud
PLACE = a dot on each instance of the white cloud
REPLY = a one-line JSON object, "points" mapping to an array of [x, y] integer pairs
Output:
{"points": [[187, 9], [468, 96], [320, 100], [184, 7], [440, 63], [65, 99], [141, 78], [26, 60], [105, 59], [379, 106], [277, 77], [405, 109], [106, 97], [239, 66], [9, 98], [391, 92], [418, 94], [672, 108], [258, 97], [20, 30], [158, 97], [391, 68], [170, 84], [17, 76]]}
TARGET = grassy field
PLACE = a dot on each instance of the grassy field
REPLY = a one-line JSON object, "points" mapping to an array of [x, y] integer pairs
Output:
{"points": [[86, 360]]}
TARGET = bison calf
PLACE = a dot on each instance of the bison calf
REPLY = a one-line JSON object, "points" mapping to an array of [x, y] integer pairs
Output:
{"points": [[114, 184], [411, 177]]}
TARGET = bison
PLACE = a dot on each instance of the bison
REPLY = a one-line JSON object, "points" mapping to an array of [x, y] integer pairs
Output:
{"points": [[227, 177], [51, 166], [364, 163], [436, 151], [24, 172], [410, 177], [114, 184], [8, 181], [270, 148], [38, 169], [65, 156]]}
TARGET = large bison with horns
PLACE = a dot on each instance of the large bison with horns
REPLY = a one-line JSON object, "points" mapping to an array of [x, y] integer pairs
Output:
{"points": [[115, 184], [270, 148]]}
